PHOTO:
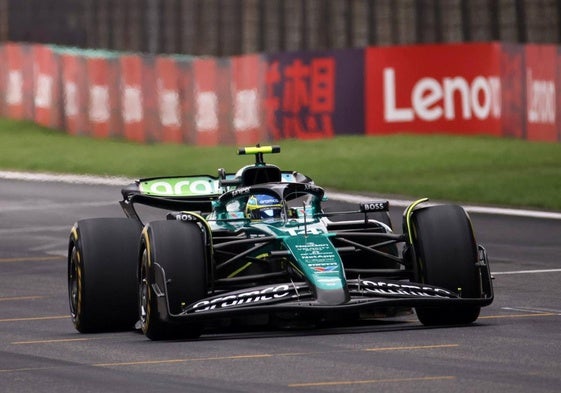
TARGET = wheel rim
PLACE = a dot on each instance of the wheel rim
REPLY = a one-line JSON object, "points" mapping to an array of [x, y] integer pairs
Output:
{"points": [[143, 290], [73, 282]]}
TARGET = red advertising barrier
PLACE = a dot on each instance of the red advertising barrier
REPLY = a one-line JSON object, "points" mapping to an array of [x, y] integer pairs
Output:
{"points": [[433, 88], [558, 88], [225, 102], [540, 76], [186, 100], [206, 101], [14, 88], [132, 98], [513, 111], [150, 105], [47, 110], [3, 74], [28, 73], [169, 110], [74, 93], [103, 97], [248, 76]]}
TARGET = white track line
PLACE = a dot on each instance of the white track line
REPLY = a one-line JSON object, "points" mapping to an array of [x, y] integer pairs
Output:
{"points": [[63, 178], [528, 271], [471, 209], [122, 181]]}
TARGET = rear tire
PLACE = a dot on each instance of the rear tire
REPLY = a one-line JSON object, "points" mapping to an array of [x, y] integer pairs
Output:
{"points": [[178, 248], [102, 257], [446, 254]]}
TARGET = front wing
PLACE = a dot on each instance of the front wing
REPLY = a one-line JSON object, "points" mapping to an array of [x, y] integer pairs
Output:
{"points": [[364, 294]]}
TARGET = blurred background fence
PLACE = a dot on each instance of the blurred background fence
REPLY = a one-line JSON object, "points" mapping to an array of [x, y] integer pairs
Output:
{"points": [[231, 27]]}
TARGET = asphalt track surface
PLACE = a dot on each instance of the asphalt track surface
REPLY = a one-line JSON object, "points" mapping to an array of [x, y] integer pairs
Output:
{"points": [[515, 346]]}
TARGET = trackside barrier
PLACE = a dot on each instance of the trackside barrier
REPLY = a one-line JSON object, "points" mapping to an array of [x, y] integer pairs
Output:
{"points": [[168, 105], [492, 88], [314, 95], [46, 87], [248, 89], [14, 92], [75, 93], [434, 89], [103, 97]]}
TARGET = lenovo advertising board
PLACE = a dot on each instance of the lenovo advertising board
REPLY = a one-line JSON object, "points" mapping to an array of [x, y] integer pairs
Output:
{"points": [[433, 89]]}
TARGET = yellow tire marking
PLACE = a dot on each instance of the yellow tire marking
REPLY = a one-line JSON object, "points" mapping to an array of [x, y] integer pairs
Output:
{"points": [[31, 259], [15, 370], [9, 299], [168, 361], [545, 314], [34, 318], [372, 381], [411, 348], [62, 340], [268, 355]]}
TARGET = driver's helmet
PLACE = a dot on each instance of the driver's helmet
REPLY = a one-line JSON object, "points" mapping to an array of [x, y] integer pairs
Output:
{"points": [[263, 207]]}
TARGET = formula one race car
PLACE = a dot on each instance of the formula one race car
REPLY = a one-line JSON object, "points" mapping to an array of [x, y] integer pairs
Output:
{"points": [[260, 243]]}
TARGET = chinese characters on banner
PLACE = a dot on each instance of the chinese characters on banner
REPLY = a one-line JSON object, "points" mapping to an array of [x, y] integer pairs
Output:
{"points": [[314, 95]]}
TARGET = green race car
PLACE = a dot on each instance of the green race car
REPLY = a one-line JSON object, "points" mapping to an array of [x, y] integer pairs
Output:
{"points": [[258, 243]]}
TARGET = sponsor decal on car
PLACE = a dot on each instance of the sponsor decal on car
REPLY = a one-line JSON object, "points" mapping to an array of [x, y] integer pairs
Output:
{"points": [[264, 295], [183, 186], [386, 288], [325, 269]]}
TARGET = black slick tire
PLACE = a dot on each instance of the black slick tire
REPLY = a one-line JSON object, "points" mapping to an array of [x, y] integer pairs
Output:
{"points": [[102, 260], [446, 254], [174, 251]]}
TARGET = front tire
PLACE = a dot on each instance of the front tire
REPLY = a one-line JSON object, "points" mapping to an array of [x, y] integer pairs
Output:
{"points": [[446, 256], [174, 251], [102, 257]]}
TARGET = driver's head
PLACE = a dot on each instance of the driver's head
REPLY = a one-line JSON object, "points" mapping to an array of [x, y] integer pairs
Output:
{"points": [[263, 207]]}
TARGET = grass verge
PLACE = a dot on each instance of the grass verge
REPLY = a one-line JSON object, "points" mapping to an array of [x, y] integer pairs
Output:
{"points": [[485, 170]]}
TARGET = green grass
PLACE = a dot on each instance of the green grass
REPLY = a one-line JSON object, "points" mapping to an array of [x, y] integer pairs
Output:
{"points": [[484, 170]]}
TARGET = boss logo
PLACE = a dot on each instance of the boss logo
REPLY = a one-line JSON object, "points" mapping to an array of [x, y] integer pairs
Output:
{"points": [[378, 206], [181, 216], [185, 217]]}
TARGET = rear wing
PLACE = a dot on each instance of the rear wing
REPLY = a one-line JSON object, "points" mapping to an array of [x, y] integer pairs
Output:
{"points": [[198, 186], [202, 186]]}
